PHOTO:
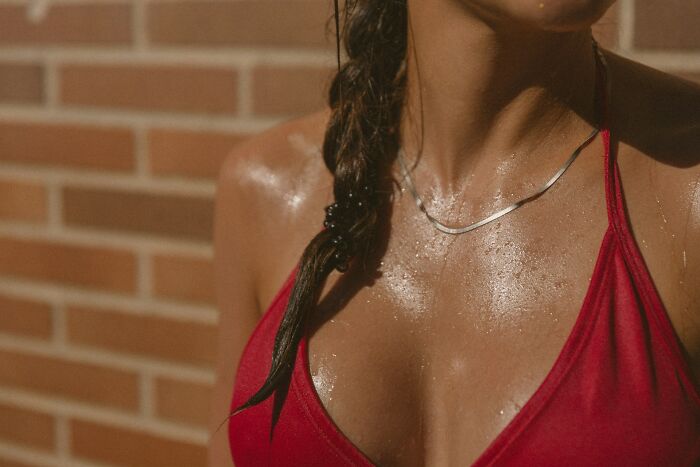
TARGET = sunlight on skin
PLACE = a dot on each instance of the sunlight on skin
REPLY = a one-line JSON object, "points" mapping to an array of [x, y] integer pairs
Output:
{"points": [[324, 381]]}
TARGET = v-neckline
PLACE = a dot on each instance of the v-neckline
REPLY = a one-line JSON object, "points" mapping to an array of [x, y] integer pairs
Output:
{"points": [[574, 343], [578, 335]]}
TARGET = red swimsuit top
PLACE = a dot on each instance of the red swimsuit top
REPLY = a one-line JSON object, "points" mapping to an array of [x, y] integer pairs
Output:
{"points": [[620, 393]]}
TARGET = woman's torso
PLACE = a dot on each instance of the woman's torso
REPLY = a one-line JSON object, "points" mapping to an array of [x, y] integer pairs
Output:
{"points": [[429, 365]]}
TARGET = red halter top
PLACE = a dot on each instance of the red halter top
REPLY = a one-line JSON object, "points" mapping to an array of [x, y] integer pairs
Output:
{"points": [[620, 393]]}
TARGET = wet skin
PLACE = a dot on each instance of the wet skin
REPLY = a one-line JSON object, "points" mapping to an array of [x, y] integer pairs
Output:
{"points": [[424, 360]]}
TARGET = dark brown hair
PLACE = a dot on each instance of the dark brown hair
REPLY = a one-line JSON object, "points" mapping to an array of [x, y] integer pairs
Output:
{"points": [[360, 141]]}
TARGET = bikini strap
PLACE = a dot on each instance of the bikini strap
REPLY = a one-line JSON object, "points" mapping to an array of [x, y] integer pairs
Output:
{"points": [[633, 258], [613, 190]]}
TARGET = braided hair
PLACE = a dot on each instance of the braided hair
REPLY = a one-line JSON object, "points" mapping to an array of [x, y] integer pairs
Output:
{"points": [[360, 141]]}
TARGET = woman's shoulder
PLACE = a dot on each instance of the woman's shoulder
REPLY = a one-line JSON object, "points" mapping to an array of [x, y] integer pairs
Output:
{"points": [[655, 118], [655, 111], [271, 161], [281, 185]]}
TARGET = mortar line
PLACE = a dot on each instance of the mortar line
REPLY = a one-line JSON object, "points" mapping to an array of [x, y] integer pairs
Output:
{"points": [[228, 58], [54, 204], [626, 35], [146, 395], [107, 359], [139, 25], [63, 445], [98, 301], [144, 274], [107, 416], [93, 178], [111, 117], [121, 242], [51, 84]]}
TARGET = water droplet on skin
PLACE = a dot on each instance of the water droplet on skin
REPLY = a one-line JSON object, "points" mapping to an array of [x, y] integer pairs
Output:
{"points": [[324, 383], [658, 203], [501, 411]]}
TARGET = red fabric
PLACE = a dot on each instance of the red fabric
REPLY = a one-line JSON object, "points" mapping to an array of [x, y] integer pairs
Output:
{"points": [[619, 394]]}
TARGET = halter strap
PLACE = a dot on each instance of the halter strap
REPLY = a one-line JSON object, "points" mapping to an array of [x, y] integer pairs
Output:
{"points": [[613, 189]]}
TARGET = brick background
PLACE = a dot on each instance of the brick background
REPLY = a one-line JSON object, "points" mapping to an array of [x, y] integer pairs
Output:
{"points": [[114, 119]]}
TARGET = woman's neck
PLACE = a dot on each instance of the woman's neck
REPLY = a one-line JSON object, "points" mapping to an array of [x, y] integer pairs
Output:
{"points": [[488, 91]]}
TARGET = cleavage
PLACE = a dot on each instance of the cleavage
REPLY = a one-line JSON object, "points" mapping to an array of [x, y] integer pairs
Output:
{"points": [[428, 364]]}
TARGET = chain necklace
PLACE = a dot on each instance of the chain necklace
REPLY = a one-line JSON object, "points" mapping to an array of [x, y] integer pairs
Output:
{"points": [[460, 230]]}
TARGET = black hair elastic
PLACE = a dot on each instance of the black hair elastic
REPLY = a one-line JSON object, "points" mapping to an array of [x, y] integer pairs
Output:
{"points": [[339, 216]]}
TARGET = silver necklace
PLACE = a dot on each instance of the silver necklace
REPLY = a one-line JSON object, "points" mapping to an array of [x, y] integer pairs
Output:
{"points": [[460, 230]]}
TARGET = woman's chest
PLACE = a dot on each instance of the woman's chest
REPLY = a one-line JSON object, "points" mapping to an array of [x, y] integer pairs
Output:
{"points": [[578, 372], [407, 400], [432, 361]]}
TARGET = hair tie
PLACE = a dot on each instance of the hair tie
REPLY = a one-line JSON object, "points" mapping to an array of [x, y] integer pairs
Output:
{"points": [[339, 219]]}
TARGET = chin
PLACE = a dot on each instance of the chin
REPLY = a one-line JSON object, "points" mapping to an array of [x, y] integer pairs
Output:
{"points": [[548, 15]]}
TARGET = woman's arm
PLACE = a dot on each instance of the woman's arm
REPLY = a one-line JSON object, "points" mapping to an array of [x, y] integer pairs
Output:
{"points": [[236, 297]]}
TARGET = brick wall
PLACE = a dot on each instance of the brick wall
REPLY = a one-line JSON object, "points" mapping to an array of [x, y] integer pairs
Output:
{"points": [[114, 118]]}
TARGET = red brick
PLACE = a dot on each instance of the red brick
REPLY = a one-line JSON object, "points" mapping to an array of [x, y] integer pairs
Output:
{"points": [[184, 278], [131, 448], [69, 24], [671, 24], [21, 83], [186, 217], [150, 87], [73, 380], [66, 145], [27, 427], [143, 335], [240, 23], [290, 91], [183, 401], [22, 201], [184, 153], [103, 268], [25, 317]]}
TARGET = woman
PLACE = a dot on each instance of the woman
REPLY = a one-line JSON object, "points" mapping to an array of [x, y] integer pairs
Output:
{"points": [[563, 332]]}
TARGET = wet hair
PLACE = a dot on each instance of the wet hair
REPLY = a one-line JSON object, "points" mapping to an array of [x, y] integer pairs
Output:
{"points": [[360, 141]]}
